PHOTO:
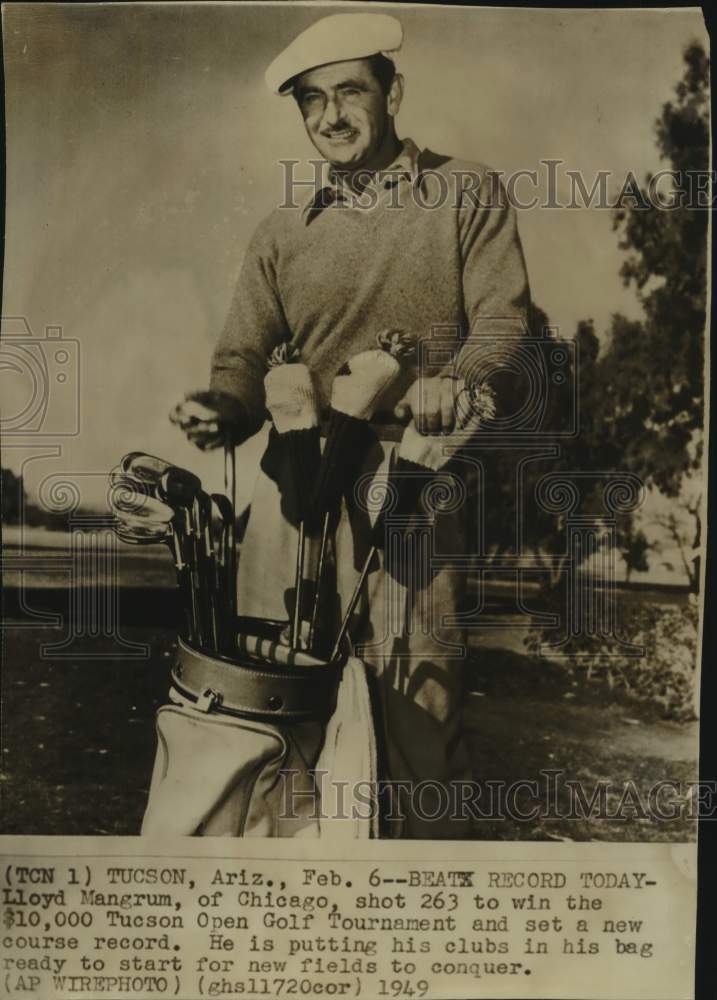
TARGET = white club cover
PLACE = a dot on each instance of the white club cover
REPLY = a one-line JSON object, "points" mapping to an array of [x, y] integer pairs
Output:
{"points": [[290, 398], [358, 393]]}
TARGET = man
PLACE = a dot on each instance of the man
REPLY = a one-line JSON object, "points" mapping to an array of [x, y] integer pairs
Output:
{"points": [[397, 239]]}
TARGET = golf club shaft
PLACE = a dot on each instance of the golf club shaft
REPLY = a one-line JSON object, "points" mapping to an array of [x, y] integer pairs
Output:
{"points": [[319, 575], [191, 560], [350, 608], [225, 585], [298, 580], [223, 508], [183, 583], [204, 509], [230, 488], [200, 583]]}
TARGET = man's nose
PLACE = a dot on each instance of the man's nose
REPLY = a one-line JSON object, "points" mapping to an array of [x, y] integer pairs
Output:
{"points": [[333, 111]]}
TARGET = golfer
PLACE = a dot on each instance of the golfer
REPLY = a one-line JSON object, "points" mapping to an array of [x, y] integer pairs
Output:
{"points": [[393, 238]]}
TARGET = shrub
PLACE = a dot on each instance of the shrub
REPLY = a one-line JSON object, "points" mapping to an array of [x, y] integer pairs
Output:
{"points": [[664, 677]]}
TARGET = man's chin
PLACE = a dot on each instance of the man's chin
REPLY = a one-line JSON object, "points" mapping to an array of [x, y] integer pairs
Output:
{"points": [[347, 158]]}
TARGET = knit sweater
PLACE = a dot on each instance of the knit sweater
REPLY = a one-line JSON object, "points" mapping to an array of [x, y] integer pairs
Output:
{"points": [[329, 280]]}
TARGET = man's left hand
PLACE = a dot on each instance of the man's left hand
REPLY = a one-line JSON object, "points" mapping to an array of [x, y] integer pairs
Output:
{"points": [[431, 403]]}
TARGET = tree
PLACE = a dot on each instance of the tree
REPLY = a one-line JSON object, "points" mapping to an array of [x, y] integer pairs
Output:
{"points": [[19, 508], [667, 264], [593, 450], [634, 546], [652, 395], [12, 496], [641, 395]]}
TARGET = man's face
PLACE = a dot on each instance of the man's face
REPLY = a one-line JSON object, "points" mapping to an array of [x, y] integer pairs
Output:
{"points": [[345, 111]]}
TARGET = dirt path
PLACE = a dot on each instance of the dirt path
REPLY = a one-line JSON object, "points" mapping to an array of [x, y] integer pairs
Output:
{"points": [[601, 726]]}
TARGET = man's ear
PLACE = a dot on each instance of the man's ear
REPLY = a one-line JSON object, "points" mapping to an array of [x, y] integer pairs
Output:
{"points": [[395, 95]]}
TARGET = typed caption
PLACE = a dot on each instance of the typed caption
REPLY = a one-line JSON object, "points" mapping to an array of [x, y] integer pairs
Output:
{"points": [[463, 920]]}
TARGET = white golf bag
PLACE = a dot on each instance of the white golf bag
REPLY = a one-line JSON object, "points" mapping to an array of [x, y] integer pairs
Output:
{"points": [[272, 743]]}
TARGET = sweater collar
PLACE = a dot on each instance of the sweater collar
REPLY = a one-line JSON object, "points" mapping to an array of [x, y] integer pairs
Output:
{"points": [[334, 191]]}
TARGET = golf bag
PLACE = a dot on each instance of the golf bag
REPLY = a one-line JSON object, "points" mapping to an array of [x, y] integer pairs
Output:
{"points": [[257, 733], [257, 745]]}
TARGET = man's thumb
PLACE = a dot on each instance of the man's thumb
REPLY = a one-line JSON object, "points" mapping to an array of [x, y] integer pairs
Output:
{"points": [[402, 409]]}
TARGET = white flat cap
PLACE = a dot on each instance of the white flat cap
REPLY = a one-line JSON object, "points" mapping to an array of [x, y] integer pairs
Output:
{"points": [[334, 39]]}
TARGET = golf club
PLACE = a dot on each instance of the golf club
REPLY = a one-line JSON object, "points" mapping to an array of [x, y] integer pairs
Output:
{"points": [[230, 488]]}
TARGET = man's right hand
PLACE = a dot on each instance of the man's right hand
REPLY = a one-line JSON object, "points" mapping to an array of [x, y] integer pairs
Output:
{"points": [[209, 419]]}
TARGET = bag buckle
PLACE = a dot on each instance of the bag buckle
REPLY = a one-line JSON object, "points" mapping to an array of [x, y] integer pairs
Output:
{"points": [[207, 700]]}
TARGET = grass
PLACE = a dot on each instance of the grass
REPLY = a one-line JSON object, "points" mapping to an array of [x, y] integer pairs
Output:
{"points": [[78, 739], [527, 717]]}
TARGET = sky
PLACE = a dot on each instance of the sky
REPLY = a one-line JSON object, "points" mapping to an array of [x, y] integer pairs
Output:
{"points": [[143, 149]]}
